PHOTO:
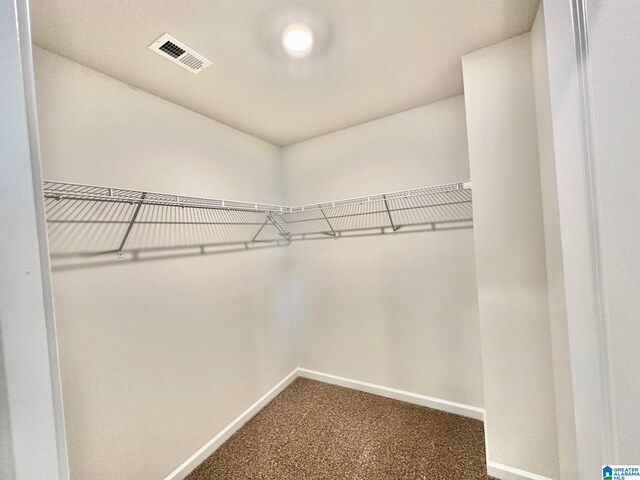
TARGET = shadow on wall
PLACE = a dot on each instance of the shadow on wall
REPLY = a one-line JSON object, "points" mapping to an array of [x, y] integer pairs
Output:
{"points": [[76, 260]]}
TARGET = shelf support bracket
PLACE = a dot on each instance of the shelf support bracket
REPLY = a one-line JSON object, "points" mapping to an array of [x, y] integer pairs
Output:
{"points": [[275, 224], [278, 227], [393, 226], [130, 226], [260, 229], [333, 232]]}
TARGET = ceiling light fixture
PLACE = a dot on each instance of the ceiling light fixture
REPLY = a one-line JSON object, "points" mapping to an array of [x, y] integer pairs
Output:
{"points": [[297, 40]]}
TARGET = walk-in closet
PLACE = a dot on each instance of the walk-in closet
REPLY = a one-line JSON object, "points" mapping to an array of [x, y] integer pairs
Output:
{"points": [[321, 240]]}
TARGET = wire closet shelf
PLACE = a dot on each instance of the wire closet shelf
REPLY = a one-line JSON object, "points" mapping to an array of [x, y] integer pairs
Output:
{"points": [[89, 220]]}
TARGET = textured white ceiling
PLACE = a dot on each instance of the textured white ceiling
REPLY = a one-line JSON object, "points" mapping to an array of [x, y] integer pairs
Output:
{"points": [[371, 58]]}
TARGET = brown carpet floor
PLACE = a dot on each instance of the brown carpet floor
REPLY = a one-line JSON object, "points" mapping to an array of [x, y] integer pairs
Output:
{"points": [[317, 431]]}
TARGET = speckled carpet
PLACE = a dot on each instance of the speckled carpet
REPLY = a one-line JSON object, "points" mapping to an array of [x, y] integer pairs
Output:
{"points": [[316, 431]]}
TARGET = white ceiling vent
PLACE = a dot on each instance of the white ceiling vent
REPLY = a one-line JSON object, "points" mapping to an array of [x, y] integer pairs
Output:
{"points": [[179, 53]]}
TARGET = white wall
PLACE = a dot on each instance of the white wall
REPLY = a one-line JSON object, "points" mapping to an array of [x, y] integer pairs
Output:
{"points": [[553, 249], [158, 357], [510, 259], [399, 311]]}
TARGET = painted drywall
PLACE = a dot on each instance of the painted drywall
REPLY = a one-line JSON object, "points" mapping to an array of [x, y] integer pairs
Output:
{"points": [[614, 48], [158, 357], [553, 248], [399, 311], [510, 258]]}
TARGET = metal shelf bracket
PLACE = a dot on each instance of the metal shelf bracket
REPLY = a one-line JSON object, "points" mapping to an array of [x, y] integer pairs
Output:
{"points": [[333, 232], [120, 254], [386, 205]]}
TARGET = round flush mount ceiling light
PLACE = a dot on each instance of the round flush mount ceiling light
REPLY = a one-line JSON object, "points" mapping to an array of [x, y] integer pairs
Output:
{"points": [[297, 40]]}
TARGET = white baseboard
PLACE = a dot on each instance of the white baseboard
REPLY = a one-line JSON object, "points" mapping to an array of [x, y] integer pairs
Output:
{"points": [[415, 398], [212, 445], [504, 472]]}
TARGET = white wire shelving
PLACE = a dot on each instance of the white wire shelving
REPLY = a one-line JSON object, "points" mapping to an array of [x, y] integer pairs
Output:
{"points": [[85, 221]]}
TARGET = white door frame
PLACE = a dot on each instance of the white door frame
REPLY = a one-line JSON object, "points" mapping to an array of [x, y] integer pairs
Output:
{"points": [[567, 35], [32, 434]]}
